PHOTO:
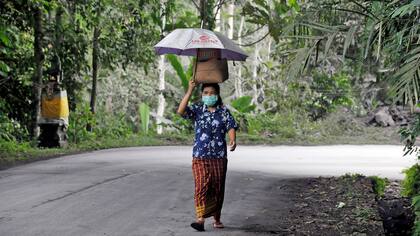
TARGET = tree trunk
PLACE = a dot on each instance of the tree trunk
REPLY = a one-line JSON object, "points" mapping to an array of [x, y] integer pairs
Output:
{"points": [[58, 29], [238, 78], [203, 15], [162, 69], [206, 14], [161, 102], [255, 73], [231, 12], [95, 68], [37, 78], [56, 63], [217, 13], [266, 77]]}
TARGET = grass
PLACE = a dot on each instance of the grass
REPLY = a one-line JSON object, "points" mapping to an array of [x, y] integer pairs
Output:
{"points": [[13, 153], [371, 135], [379, 185]]}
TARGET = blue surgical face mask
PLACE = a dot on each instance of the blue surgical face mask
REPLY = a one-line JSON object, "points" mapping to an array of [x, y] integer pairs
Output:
{"points": [[210, 100]]}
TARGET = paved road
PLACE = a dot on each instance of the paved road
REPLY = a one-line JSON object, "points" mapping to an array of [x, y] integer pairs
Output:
{"points": [[148, 191]]}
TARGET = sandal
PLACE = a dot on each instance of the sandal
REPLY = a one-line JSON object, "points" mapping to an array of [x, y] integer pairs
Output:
{"points": [[218, 225], [198, 226]]}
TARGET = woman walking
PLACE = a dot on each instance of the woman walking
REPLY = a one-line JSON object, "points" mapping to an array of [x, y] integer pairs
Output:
{"points": [[212, 121]]}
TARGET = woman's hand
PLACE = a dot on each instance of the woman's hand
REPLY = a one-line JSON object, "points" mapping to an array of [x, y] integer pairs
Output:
{"points": [[188, 94], [191, 85], [232, 145], [232, 139]]}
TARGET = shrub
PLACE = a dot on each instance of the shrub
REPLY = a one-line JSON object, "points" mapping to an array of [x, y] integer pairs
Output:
{"points": [[411, 182], [78, 122], [10, 129], [416, 209], [327, 93], [280, 125], [112, 125], [144, 113]]}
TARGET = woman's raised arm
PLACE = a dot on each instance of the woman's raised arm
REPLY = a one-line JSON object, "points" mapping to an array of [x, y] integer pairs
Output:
{"points": [[184, 101]]}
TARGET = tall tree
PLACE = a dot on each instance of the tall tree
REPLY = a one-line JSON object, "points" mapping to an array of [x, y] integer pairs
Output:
{"points": [[231, 13], [238, 77], [39, 60], [205, 8], [162, 69], [217, 13]]}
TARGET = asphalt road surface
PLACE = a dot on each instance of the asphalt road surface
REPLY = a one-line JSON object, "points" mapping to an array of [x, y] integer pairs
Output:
{"points": [[149, 191]]}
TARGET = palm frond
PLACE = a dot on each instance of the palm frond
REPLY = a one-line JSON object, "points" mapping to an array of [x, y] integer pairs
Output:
{"points": [[330, 39], [406, 79], [300, 62]]}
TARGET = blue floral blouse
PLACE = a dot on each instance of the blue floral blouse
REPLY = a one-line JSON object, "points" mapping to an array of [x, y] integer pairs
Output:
{"points": [[210, 130]]}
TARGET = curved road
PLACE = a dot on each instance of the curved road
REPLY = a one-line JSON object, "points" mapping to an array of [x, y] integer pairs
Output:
{"points": [[149, 190]]}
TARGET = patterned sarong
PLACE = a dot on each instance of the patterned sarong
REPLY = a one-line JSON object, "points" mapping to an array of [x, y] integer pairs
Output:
{"points": [[209, 176]]}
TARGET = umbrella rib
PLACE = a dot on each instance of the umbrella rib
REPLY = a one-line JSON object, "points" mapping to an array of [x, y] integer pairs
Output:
{"points": [[187, 43]]}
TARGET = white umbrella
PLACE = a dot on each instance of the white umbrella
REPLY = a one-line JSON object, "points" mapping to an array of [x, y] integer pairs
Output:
{"points": [[189, 41]]}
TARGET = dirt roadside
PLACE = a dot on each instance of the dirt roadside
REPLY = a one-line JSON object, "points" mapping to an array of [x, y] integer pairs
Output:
{"points": [[326, 206]]}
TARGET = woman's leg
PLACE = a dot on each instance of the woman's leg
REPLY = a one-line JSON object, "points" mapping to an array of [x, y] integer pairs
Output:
{"points": [[217, 217], [201, 181], [202, 185], [219, 180]]}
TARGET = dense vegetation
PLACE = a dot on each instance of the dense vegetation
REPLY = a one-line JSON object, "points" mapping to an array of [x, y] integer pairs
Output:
{"points": [[306, 79], [306, 61]]}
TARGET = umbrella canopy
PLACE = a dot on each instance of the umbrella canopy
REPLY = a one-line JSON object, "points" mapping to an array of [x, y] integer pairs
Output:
{"points": [[187, 42]]}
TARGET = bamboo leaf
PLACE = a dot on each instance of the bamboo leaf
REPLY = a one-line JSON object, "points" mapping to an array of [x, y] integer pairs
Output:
{"points": [[243, 104], [190, 72], [179, 70], [404, 10], [324, 28], [369, 41], [328, 44], [349, 39], [379, 40], [296, 64], [144, 111]]}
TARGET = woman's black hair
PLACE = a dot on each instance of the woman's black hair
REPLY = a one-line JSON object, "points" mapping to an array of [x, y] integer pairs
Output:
{"points": [[217, 88]]}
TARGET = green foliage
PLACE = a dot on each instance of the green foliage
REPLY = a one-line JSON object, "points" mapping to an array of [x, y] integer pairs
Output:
{"points": [[416, 209], [243, 104], [274, 14], [13, 146], [411, 182], [407, 79], [278, 125], [409, 136], [352, 177], [183, 75], [185, 19], [379, 184], [327, 93], [386, 30], [144, 112], [79, 119], [112, 125], [207, 15], [13, 153], [104, 125], [10, 129], [5, 45]]}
